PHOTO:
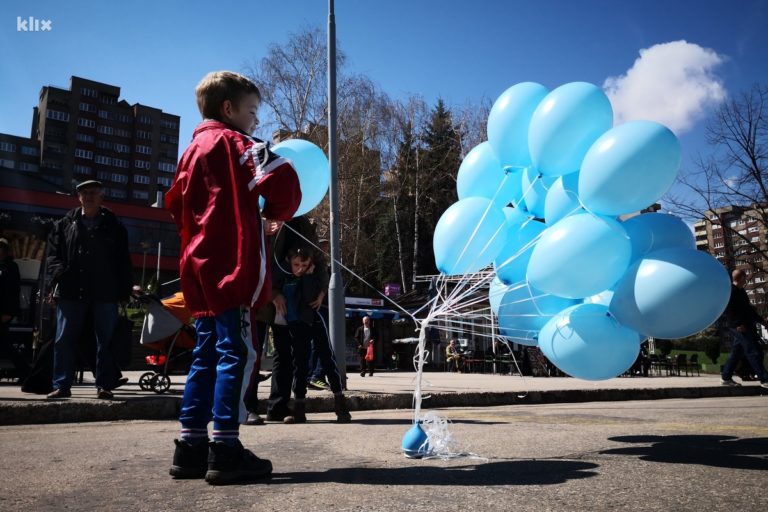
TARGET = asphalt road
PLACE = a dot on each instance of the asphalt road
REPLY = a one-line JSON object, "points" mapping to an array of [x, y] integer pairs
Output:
{"points": [[705, 454]]}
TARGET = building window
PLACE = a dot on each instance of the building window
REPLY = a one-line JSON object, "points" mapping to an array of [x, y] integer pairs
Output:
{"points": [[719, 245], [170, 139], [145, 150], [101, 159], [84, 137], [88, 123], [141, 164], [57, 116], [7, 146], [166, 182], [107, 99], [26, 166], [104, 144], [141, 134], [123, 118], [166, 167], [123, 133], [119, 162], [166, 123], [87, 107], [753, 229], [82, 169], [755, 239], [145, 119], [103, 114], [106, 130], [91, 93], [140, 194], [119, 178], [121, 148], [6, 163], [141, 179], [26, 150], [83, 153]]}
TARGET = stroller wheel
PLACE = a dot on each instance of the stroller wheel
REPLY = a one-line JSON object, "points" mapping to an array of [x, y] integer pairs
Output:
{"points": [[160, 383], [145, 381]]}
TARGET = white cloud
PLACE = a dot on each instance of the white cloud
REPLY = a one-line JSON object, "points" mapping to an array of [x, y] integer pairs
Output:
{"points": [[670, 83]]}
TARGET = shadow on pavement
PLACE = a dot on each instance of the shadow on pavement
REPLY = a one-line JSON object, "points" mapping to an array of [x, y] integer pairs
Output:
{"points": [[717, 451], [408, 421], [518, 472]]}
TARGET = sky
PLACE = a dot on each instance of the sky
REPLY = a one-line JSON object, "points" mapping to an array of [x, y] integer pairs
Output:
{"points": [[669, 61]]}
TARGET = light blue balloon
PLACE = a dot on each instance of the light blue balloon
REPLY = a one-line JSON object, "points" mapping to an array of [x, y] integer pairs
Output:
{"points": [[535, 191], [652, 231], [415, 442], [496, 292], [562, 199], [672, 293], [468, 236], [312, 168], [524, 310], [564, 126], [511, 264], [516, 216], [629, 168], [508, 122], [603, 298], [580, 256], [481, 174], [586, 342]]}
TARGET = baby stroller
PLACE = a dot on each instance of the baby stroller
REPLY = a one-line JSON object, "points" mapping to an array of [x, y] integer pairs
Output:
{"points": [[166, 331]]}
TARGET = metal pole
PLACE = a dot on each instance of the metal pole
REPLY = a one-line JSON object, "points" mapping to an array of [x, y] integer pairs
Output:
{"points": [[336, 286], [159, 251]]}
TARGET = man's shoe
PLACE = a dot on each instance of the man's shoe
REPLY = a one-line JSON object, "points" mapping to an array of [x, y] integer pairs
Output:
{"points": [[59, 393], [729, 382], [104, 394], [254, 419], [299, 414], [341, 410], [278, 416], [262, 377], [311, 385], [190, 460], [120, 382], [230, 464], [319, 384], [362, 374]]}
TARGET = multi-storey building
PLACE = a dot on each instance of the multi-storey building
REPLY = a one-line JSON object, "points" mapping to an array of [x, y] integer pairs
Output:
{"points": [[88, 132], [736, 236]]}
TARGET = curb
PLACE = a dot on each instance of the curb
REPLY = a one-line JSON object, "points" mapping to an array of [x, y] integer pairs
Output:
{"points": [[166, 407]]}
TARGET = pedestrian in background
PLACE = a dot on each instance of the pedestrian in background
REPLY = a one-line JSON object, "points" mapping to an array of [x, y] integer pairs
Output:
{"points": [[10, 289], [91, 272]]}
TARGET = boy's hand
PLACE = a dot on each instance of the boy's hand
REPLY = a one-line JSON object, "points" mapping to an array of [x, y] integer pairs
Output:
{"points": [[315, 304], [279, 303], [272, 226]]}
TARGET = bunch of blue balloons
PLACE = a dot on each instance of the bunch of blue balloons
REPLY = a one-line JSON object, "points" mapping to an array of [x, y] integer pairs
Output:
{"points": [[541, 201]]}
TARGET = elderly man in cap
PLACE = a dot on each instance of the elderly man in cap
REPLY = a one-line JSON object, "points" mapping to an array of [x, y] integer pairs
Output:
{"points": [[90, 268]]}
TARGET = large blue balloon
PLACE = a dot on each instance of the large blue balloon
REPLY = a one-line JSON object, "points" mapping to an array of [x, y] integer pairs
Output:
{"points": [[468, 236], [672, 293], [524, 310], [535, 191], [653, 231], [508, 122], [562, 199], [496, 292], [629, 168], [312, 168], [580, 256], [481, 174], [564, 126], [512, 261], [586, 342]]}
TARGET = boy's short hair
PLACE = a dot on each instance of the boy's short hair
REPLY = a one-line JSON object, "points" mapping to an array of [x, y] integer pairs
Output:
{"points": [[218, 86]]}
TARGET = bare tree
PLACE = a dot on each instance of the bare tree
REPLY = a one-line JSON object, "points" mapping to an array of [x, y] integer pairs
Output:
{"points": [[735, 174]]}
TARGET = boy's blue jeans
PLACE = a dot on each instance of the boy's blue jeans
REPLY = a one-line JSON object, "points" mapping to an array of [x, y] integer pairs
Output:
{"points": [[218, 379]]}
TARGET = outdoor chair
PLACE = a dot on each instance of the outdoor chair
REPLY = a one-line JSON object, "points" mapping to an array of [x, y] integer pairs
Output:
{"points": [[693, 363], [681, 363]]}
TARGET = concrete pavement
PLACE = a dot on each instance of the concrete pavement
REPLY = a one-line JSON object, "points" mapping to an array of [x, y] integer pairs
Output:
{"points": [[385, 390]]}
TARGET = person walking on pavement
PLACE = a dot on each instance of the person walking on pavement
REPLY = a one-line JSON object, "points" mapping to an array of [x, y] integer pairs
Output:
{"points": [[91, 272], [10, 289], [741, 323], [363, 335]]}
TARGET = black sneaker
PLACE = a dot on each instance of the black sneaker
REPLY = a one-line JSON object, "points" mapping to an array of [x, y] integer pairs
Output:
{"points": [[60, 393], [278, 415], [230, 464], [190, 460]]}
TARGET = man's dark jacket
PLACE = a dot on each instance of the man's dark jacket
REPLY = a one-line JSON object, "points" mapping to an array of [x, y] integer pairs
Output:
{"points": [[739, 312], [90, 264], [10, 287]]}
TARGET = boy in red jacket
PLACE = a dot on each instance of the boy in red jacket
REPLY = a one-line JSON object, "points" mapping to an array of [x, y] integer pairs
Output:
{"points": [[224, 270]]}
